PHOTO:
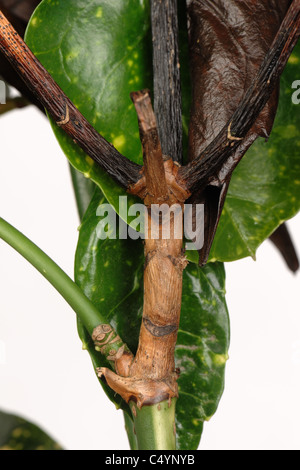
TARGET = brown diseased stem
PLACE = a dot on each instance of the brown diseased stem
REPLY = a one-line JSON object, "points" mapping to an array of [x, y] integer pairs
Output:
{"points": [[152, 152], [152, 376], [164, 261], [162, 303]]}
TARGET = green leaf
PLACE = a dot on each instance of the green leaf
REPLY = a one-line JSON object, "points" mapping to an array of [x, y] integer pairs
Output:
{"points": [[18, 434], [201, 350], [265, 187], [98, 52]]}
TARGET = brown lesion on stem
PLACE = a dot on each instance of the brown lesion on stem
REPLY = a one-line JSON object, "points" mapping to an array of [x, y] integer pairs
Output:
{"points": [[142, 391], [230, 136], [159, 183], [154, 172], [65, 119], [152, 376]]}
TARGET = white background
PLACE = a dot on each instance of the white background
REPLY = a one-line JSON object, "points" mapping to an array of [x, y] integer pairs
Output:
{"points": [[47, 378]]}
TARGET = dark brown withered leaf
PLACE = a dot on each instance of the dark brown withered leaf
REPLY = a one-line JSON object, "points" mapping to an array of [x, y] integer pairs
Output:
{"points": [[228, 42]]}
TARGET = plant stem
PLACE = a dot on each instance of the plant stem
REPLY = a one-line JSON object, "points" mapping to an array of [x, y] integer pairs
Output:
{"points": [[155, 426], [85, 310], [166, 76]]}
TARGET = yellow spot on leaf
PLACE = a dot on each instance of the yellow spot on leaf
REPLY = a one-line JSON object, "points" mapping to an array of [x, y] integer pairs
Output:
{"points": [[119, 142], [99, 12], [89, 161], [220, 359], [72, 55], [17, 432], [294, 59], [289, 132]]}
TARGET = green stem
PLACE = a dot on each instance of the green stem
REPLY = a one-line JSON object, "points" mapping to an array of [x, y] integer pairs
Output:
{"points": [[154, 426], [84, 308]]}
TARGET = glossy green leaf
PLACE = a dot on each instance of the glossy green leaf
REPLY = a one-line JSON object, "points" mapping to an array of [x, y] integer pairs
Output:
{"points": [[18, 434], [201, 351], [265, 187], [98, 52]]}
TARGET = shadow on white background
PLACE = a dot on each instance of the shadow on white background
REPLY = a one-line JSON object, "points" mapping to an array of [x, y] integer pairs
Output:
{"points": [[47, 378]]}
